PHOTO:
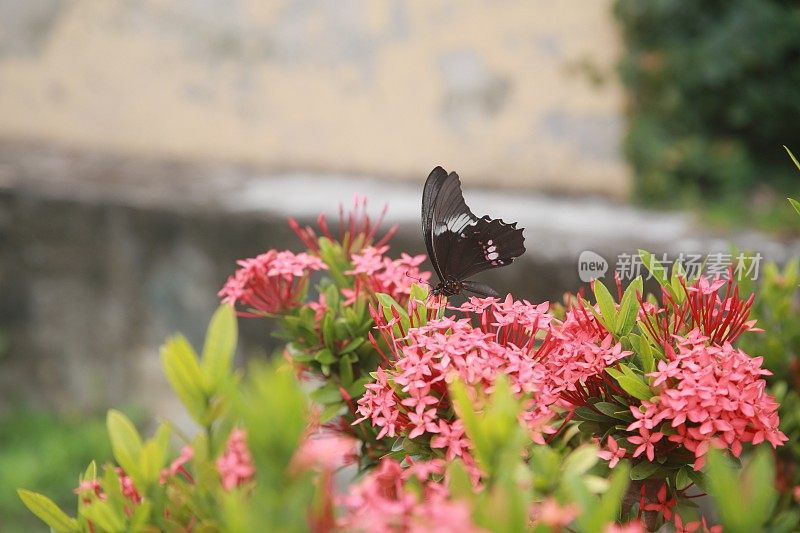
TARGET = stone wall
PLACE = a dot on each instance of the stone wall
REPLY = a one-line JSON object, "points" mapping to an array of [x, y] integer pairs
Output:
{"points": [[515, 92]]}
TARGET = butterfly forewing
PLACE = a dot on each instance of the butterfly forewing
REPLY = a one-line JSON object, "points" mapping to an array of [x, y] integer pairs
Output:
{"points": [[444, 216]]}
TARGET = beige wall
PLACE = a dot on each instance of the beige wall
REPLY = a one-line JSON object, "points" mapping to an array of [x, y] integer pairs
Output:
{"points": [[494, 89]]}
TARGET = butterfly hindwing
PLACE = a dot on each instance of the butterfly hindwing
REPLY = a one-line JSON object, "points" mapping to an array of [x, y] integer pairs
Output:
{"points": [[488, 243]]}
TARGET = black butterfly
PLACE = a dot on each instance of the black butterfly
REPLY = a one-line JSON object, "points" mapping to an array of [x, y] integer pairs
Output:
{"points": [[460, 244]]}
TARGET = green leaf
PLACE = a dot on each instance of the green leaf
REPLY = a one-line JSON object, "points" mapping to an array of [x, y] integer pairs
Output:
{"points": [[795, 204], [104, 516], [614, 410], [758, 478], [598, 514], [459, 481], [608, 309], [655, 267], [580, 461], [678, 274], [628, 308], [90, 472], [47, 511], [635, 388], [586, 413], [126, 444], [785, 522], [325, 357], [644, 470], [682, 479], [419, 292], [220, 346], [328, 330], [183, 372], [645, 352], [326, 394], [352, 346], [330, 412], [794, 159], [746, 498], [345, 371], [154, 454]]}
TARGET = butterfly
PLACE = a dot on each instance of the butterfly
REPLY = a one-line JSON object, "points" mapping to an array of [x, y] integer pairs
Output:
{"points": [[460, 244]]}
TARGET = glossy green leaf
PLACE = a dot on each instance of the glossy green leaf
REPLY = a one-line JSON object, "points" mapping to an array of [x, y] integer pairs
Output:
{"points": [[791, 155], [104, 516], [635, 388], [654, 266], [126, 444], [608, 309], [47, 511], [794, 204], [628, 308], [644, 470], [220, 346], [184, 374], [154, 454]]}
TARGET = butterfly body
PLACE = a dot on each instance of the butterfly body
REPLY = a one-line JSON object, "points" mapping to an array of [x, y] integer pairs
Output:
{"points": [[460, 244]]}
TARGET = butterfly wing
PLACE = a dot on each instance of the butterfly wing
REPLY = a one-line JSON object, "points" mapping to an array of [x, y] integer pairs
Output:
{"points": [[485, 244], [459, 243], [444, 216]]}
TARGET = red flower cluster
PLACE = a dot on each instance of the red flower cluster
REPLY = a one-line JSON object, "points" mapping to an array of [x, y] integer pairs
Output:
{"points": [[711, 395], [381, 502], [546, 360], [271, 283], [374, 273], [235, 465], [720, 317]]}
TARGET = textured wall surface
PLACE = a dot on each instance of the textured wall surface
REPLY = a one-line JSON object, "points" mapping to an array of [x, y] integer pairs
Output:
{"points": [[498, 90]]}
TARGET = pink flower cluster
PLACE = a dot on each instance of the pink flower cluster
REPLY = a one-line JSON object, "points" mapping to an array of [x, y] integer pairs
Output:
{"points": [[381, 502], [713, 307], [126, 487], [271, 283], [374, 273], [712, 395], [235, 465], [549, 361]]}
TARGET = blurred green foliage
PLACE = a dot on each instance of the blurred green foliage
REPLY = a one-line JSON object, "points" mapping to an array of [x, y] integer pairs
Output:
{"points": [[714, 92], [44, 452]]}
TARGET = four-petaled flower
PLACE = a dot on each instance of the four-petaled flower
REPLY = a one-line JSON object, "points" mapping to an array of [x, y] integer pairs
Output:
{"points": [[613, 454], [646, 441]]}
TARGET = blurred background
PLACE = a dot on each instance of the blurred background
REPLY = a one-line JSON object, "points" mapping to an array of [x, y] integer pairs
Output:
{"points": [[146, 145]]}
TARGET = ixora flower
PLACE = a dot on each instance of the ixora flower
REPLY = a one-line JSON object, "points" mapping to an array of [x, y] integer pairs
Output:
{"points": [[235, 465], [382, 502], [271, 283], [713, 396], [375, 273], [548, 362], [356, 229], [711, 306]]}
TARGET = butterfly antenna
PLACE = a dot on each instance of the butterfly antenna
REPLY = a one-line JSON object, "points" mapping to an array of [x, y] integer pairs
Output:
{"points": [[418, 280]]}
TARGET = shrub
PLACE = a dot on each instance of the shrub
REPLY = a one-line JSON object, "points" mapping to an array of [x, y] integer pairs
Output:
{"points": [[499, 414], [713, 94]]}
